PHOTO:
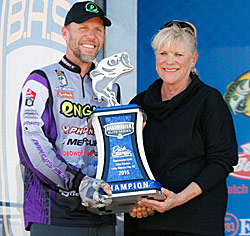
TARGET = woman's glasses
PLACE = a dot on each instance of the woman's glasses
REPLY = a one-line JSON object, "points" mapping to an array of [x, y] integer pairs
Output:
{"points": [[181, 24]]}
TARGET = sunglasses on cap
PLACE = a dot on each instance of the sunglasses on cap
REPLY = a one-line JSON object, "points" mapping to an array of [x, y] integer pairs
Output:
{"points": [[181, 24]]}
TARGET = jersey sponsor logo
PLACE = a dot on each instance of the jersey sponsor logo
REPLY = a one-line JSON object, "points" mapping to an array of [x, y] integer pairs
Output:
{"points": [[30, 123], [30, 114], [231, 224], [73, 153], [119, 129], [79, 153], [48, 162], [65, 89], [62, 78], [93, 163], [242, 170], [30, 98], [93, 153], [31, 117], [77, 130], [65, 94], [69, 194], [42, 153], [70, 109], [27, 132], [68, 64], [81, 142]]}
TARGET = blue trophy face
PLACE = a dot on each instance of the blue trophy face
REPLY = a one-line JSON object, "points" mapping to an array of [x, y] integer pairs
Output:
{"points": [[121, 159]]}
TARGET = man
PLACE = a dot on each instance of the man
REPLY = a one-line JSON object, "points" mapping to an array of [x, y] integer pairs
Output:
{"points": [[55, 144]]}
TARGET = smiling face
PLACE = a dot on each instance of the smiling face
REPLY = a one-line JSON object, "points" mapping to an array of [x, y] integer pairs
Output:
{"points": [[84, 40], [173, 64]]}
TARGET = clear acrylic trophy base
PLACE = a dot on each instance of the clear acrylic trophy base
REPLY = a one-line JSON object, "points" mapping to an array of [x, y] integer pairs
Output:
{"points": [[125, 202]]}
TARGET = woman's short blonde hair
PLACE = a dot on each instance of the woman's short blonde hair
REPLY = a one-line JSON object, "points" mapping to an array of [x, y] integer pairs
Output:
{"points": [[172, 36]]}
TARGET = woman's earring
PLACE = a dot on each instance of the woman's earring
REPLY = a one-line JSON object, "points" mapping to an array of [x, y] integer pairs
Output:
{"points": [[194, 71]]}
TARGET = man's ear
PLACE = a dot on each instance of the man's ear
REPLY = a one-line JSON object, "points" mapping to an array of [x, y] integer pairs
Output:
{"points": [[65, 32]]}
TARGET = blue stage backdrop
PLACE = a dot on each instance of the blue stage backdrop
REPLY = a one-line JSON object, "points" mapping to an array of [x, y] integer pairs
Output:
{"points": [[224, 63]]}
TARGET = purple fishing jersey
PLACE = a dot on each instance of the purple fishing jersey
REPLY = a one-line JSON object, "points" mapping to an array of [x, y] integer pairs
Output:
{"points": [[56, 145]]}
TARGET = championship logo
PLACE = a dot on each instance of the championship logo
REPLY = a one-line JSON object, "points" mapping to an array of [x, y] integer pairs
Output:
{"points": [[119, 129]]}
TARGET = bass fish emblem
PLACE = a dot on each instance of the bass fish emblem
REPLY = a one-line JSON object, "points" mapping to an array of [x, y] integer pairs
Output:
{"points": [[237, 95], [106, 73]]}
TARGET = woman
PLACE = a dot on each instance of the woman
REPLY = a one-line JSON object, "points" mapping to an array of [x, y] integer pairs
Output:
{"points": [[189, 141]]}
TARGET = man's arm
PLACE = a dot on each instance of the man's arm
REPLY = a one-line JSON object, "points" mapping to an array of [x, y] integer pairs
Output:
{"points": [[36, 132]]}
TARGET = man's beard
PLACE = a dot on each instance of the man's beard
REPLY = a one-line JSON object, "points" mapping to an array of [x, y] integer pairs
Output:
{"points": [[78, 54], [82, 57]]}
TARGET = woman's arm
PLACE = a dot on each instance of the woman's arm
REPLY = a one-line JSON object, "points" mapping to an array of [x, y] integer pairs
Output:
{"points": [[172, 199]]}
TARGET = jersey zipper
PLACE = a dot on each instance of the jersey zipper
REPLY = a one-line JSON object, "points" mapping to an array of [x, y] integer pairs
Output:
{"points": [[83, 93]]}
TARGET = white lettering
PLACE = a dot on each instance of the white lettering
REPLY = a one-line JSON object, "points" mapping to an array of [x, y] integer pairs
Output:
{"points": [[130, 186], [245, 225], [58, 19], [15, 18], [123, 187], [37, 16], [19, 9], [117, 188]]}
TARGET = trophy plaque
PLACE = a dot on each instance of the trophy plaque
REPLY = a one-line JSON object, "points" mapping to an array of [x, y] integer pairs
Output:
{"points": [[118, 128]]}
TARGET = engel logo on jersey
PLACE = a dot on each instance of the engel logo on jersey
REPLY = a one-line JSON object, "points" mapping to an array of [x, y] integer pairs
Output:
{"points": [[70, 109], [242, 170]]}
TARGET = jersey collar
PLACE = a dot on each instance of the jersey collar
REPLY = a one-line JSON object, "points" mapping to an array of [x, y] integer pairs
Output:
{"points": [[65, 62]]}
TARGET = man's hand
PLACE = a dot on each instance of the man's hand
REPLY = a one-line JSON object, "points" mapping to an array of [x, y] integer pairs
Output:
{"points": [[89, 192]]}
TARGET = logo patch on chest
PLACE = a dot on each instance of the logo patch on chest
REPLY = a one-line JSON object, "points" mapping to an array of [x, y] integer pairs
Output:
{"points": [[62, 78]]}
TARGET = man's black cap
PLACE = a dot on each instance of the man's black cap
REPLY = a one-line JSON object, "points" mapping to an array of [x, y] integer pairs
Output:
{"points": [[82, 11]]}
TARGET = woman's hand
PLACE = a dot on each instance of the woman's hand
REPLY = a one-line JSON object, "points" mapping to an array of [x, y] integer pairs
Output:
{"points": [[139, 212], [172, 199]]}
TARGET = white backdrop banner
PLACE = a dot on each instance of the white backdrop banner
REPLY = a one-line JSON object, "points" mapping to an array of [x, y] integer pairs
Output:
{"points": [[30, 37]]}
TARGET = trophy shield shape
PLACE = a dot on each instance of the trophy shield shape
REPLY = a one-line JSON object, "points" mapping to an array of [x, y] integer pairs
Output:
{"points": [[118, 128]]}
